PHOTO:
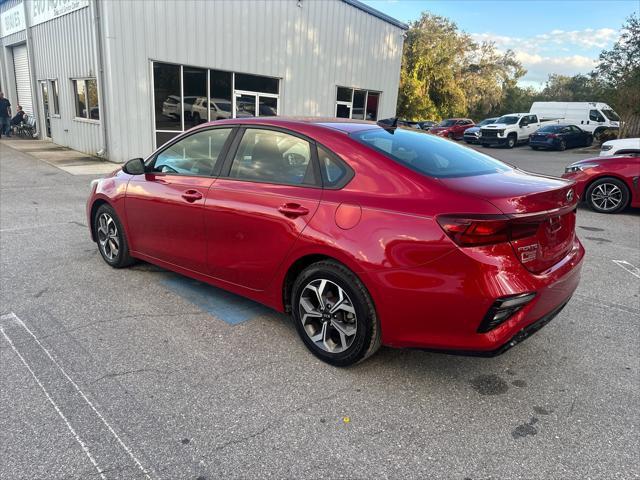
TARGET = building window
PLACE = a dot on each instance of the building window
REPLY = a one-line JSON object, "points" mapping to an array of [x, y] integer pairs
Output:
{"points": [[184, 96], [357, 104], [55, 103], [86, 98]]}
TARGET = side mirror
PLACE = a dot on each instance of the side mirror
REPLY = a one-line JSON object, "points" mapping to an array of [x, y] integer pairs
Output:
{"points": [[135, 166]]}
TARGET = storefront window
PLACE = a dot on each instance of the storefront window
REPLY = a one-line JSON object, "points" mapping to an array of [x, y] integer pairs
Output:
{"points": [[195, 103], [167, 96], [256, 83], [85, 93], [357, 104], [221, 90]]}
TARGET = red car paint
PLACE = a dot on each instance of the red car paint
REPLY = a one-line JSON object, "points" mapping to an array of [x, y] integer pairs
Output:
{"points": [[385, 225], [623, 167], [455, 130]]}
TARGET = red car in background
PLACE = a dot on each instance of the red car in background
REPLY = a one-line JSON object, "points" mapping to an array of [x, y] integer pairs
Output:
{"points": [[452, 128], [607, 184], [366, 234]]}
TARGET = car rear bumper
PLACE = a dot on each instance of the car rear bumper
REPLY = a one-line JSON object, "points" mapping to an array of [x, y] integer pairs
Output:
{"points": [[543, 143], [449, 298]]}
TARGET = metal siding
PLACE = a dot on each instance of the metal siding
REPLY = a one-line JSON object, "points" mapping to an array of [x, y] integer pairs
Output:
{"points": [[63, 48], [312, 48]]}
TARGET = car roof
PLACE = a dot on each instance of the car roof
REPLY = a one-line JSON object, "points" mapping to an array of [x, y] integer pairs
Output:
{"points": [[344, 125]]}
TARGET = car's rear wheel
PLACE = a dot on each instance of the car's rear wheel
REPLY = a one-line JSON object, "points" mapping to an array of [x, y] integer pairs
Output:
{"points": [[562, 146], [334, 314], [112, 242], [607, 195], [588, 141]]}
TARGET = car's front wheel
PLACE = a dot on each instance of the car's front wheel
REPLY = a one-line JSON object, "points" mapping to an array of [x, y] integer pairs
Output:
{"points": [[607, 195], [334, 314], [511, 141], [112, 242]]}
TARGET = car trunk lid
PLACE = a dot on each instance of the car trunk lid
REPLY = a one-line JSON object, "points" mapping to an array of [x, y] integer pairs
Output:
{"points": [[544, 207]]}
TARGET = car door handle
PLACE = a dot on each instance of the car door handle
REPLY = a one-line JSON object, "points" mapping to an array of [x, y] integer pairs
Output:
{"points": [[293, 210], [192, 195]]}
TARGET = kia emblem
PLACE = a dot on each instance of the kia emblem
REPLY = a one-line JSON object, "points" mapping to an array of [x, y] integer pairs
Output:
{"points": [[570, 195]]}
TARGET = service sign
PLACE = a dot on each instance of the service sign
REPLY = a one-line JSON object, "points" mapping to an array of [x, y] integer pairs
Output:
{"points": [[12, 21], [44, 10]]}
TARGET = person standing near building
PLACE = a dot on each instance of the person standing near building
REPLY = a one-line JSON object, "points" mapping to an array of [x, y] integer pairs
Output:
{"points": [[5, 115]]}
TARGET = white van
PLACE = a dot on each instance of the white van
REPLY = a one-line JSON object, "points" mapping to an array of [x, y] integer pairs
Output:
{"points": [[591, 117]]}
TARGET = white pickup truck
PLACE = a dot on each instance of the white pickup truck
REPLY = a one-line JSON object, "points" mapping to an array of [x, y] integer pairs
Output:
{"points": [[511, 129]]}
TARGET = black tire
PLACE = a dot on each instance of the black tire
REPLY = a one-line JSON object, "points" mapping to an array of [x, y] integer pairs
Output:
{"points": [[486, 145], [121, 258], [450, 136], [511, 141], [588, 141], [593, 195], [562, 146], [367, 337], [469, 142], [535, 148]]}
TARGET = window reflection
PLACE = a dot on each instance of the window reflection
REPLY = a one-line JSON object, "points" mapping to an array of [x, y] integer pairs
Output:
{"points": [[221, 94], [245, 106], [80, 98], [268, 107], [372, 106], [195, 96], [92, 99], [166, 89], [343, 111], [357, 111]]}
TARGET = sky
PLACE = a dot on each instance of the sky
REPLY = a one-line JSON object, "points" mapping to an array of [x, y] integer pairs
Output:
{"points": [[547, 36]]}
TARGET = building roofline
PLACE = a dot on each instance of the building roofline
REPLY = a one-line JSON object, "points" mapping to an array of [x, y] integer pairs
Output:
{"points": [[376, 13]]}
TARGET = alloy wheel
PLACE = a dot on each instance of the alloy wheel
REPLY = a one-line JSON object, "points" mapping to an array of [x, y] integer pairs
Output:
{"points": [[606, 196], [108, 237], [328, 315]]}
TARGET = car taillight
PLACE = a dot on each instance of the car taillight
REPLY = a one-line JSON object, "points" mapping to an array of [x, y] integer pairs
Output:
{"points": [[486, 230]]}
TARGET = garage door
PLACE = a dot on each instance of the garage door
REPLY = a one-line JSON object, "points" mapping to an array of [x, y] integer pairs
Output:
{"points": [[23, 78]]}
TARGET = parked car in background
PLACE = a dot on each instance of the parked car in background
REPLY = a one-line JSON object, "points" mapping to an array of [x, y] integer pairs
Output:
{"points": [[607, 184], [620, 147], [511, 129], [592, 117], [472, 135], [367, 235], [427, 125], [452, 128], [399, 122], [560, 137]]}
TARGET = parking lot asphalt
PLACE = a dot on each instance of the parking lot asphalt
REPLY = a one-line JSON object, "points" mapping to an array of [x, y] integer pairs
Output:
{"points": [[140, 373]]}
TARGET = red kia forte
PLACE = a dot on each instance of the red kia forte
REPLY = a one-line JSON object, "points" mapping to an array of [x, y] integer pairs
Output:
{"points": [[607, 184], [367, 235]]}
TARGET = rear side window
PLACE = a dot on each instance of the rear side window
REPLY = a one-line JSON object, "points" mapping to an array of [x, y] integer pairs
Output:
{"points": [[335, 174], [429, 155]]}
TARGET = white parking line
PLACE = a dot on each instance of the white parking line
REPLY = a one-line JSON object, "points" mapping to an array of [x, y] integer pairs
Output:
{"points": [[14, 317], [632, 269], [83, 445]]}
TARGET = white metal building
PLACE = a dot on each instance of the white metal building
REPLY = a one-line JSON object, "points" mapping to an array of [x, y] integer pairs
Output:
{"points": [[120, 77]]}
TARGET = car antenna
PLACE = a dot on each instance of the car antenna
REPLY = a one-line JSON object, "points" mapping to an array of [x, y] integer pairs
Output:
{"points": [[389, 126]]}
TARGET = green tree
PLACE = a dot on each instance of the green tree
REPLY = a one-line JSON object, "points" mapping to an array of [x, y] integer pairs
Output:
{"points": [[619, 72], [446, 74]]}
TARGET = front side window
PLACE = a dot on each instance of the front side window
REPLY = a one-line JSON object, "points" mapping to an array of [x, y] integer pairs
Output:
{"points": [[194, 155], [429, 155], [594, 116], [86, 98], [273, 157]]}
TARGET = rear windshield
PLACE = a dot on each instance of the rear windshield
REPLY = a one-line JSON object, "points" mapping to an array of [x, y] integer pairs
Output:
{"points": [[509, 120], [447, 123], [551, 128], [428, 154]]}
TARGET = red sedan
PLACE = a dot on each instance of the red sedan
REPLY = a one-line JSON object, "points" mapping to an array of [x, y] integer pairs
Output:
{"points": [[367, 234], [607, 184], [452, 128]]}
